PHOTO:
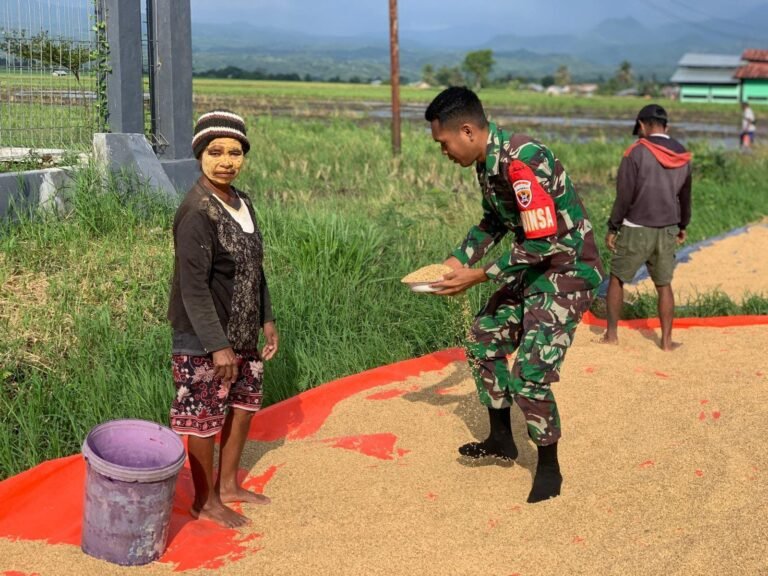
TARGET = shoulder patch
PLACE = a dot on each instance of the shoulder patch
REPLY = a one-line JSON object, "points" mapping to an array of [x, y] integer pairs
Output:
{"points": [[523, 192], [537, 208]]}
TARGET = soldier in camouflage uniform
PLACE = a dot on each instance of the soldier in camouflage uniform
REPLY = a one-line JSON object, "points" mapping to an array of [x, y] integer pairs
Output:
{"points": [[547, 277]]}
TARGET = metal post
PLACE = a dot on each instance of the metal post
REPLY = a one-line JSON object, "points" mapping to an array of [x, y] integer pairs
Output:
{"points": [[151, 60], [394, 58], [125, 93], [173, 78]]}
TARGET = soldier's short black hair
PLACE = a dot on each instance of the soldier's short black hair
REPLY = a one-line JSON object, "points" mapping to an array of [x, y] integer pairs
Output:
{"points": [[456, 103]]}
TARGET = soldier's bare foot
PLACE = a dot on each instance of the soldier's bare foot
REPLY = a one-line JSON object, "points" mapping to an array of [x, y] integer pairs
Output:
{"points": [[240, 494], [222, 515]]}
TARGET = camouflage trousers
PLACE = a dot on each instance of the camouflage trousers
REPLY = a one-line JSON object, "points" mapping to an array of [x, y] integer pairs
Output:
{"points": [[536, 330]]}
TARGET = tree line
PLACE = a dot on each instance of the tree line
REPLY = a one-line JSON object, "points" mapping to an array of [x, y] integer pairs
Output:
{"points": [[475, 70], [477, 66]]}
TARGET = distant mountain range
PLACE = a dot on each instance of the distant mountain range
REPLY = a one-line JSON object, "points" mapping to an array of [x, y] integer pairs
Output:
{"points": [[653, 50], [595, 54]]}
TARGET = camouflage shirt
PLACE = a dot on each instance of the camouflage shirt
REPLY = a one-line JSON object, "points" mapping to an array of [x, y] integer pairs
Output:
{"points": [[527, 192]]}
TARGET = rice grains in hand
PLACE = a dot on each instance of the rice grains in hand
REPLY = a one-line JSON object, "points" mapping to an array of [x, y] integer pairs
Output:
{"points": [[429, 273]]}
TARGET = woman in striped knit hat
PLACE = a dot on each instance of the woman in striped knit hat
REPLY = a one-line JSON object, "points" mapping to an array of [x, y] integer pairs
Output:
{"points": [[219, 304]]}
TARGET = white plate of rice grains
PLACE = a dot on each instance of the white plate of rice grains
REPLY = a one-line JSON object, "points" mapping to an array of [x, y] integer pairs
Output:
{"points": [[420, 280]]}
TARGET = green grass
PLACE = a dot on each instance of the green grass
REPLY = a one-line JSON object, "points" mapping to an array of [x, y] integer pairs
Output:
{"points": [[34, 113], [708, 305], [83, 334], [47, 126]]}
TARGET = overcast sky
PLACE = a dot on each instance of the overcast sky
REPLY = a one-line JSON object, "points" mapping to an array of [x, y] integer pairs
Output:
{"points": [[523, 17]]}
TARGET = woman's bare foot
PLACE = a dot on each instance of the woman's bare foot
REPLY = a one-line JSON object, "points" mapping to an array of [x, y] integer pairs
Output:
{"points": [[240, 494], [605, 339], [220, 514]]}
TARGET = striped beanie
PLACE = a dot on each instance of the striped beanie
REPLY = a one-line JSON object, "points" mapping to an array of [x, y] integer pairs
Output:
{"points": [[218, 124]]}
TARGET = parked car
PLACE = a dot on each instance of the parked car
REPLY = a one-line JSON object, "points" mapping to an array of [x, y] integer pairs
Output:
{"points": [[59, 73]]}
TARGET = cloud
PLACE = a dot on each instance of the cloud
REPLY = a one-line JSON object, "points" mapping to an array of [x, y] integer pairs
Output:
{"points": [[363, 17]]}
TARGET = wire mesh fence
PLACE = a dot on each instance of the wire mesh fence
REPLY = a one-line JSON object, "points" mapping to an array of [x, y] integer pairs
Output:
{"points": [[50, 57]]}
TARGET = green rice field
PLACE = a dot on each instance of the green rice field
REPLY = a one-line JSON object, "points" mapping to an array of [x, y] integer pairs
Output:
{"points": [[520, 101]]}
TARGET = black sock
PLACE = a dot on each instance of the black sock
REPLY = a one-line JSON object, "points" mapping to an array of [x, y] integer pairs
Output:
{"points": [[548, 480], [500, 442]]}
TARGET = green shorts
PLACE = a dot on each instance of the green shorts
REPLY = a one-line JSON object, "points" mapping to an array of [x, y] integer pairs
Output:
{"points": [[654, 247]]}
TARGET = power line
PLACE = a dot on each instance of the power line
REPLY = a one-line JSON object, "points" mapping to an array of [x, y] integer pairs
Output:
{"points": [[718, 18], [700, 26]]}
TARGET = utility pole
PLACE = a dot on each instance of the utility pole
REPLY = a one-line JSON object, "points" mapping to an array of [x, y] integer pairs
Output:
{"points": [[394, 59]]}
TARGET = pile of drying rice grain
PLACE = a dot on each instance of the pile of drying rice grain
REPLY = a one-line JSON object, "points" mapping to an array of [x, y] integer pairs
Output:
{"points": [[429, 273]]}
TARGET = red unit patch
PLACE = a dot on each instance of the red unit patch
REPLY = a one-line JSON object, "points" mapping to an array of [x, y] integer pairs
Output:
{"points": [[523, 192], [537, 208]]}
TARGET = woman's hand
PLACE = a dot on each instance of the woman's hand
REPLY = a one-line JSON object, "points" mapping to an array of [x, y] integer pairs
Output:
{"points": [[270, 334], [226, 366]]}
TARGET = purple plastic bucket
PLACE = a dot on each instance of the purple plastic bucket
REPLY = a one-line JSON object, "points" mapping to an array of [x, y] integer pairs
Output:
{"points": [[130, 481]]}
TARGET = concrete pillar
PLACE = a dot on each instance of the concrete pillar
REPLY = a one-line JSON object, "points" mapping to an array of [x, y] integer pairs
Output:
{"points": [[132, 160], [22, 193], [173, 78], [125, 91]]}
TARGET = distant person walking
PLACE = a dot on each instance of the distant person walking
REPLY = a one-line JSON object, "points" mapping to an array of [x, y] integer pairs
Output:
{"points": [[219, 305], [747, 136], [649, 217]]}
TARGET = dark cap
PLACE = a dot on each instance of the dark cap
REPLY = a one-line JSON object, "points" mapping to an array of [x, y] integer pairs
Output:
{"points": [[650, 112]]}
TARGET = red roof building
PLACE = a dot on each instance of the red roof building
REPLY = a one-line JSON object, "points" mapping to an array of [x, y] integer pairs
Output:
{"points": [[754, 55], [753, 74]]}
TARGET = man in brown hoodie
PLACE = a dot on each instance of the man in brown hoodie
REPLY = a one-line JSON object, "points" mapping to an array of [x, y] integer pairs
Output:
{"points": [[649, 217]]}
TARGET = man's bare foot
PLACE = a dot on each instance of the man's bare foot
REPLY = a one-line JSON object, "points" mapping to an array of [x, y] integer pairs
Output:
{"points": [[606, 339], [220, 514], [670, 346], [240, 494]]}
